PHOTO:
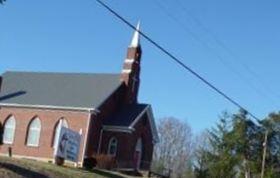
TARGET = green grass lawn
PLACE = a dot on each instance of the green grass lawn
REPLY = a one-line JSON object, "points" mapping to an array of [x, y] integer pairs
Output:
{"points": [[18, 168]]}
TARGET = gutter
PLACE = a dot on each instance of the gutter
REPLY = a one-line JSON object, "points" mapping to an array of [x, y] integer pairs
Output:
{"points": [[86, 135], [100, 140], [49, 107], [118, 129]]}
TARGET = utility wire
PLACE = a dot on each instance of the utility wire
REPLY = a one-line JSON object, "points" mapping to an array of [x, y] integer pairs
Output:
{"points": [[210, 49], [177, 60], [220, 43]]}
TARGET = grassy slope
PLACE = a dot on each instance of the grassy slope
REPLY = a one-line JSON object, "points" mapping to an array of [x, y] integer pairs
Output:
{"points": [[17, 168]]}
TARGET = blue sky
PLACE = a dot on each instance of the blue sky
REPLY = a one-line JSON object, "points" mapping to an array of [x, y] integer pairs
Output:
{"points": [[234, 44]]}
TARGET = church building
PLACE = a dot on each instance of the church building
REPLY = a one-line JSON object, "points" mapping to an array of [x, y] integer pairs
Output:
{"points": [[103, 107]]}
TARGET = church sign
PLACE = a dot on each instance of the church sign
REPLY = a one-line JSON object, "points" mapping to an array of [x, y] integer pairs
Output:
{"points": [[68, 144]]}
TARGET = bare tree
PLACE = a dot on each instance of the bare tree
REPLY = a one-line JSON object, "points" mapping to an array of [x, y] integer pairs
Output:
{"points": [[175, 148], [200, 157]]}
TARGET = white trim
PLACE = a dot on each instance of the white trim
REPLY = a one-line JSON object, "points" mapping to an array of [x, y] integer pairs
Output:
{"points": [[7, 143], [61, 122], [32, 145], [126, 71], [46, 107], [131, 128], [139, 150], [153, 125], [14, 130], [139, 117], [149, 112], [118, 129], [34, 129], [110, 144], [100, 141], [129, 60], [85, 138]]}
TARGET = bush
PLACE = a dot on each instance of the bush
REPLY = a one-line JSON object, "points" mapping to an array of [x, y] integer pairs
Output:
{"points": [[105, 161], [90, 163], [59, 161]]}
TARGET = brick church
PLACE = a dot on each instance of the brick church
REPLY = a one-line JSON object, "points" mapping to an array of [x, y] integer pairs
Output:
{"points": [[102, 107]]}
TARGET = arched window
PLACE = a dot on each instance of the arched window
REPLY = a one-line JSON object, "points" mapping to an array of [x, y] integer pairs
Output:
{"points": [[9, 130], [139, 145], [34, 131], [138, 153], [57, 130], [113, 145]]}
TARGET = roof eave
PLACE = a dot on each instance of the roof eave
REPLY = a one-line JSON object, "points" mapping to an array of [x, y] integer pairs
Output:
{"points": [[118, 128], [48, 107], [131, 127]]}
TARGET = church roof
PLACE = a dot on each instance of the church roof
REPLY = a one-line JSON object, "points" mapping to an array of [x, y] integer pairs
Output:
{"points": [[126, 116], [61, 90], [126, 119]]}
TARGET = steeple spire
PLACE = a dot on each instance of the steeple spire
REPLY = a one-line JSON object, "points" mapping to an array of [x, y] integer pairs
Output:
{"points": [[131, 68], [135, 42]]}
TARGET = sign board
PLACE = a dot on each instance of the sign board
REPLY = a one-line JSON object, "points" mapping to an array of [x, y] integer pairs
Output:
{"points": [[68, 145]]}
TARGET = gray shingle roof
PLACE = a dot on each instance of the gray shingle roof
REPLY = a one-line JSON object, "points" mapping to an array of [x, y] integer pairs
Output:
{"points": [[57, 89], [126, 116]]}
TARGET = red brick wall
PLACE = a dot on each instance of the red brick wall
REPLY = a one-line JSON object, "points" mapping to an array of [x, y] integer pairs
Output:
{"points": [[76, 120], [127, 143], [128, 78], [107, 109], [144, 131]]}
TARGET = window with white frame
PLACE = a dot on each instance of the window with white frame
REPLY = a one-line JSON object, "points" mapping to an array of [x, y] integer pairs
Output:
{"points": [[9, 130], [34, 131], [63, 123], [113, 145]]}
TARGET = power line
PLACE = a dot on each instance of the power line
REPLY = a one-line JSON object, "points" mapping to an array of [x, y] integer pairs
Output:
{"points": [[177, 60], [220, 43], [217, 40], [210, 49]]}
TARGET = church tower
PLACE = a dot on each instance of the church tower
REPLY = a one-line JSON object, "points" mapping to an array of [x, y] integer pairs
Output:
{"points": [[131, 68], [0, 82]]}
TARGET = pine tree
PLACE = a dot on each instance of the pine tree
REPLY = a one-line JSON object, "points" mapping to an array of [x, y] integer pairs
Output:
{"points": [[217, 159], [235, 148], [246, 143], [272, 125]]}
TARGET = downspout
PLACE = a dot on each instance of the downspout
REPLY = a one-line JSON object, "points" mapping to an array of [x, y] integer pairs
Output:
{"points": [[100, 141], [86, 136]]}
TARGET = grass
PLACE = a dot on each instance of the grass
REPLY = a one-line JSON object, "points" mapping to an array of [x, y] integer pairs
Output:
{"points": [[21, 168]]}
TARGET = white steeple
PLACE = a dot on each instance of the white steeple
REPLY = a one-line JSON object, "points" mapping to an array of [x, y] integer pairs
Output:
{"points": [[135, 42]]}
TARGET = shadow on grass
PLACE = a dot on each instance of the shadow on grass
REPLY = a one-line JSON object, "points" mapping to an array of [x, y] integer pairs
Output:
{"points": [[106, 174], [22, 171], [131, 173]]}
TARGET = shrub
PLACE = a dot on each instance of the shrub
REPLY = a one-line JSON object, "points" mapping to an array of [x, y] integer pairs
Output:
{"points": [[59, 161], [105, 161], [90, 163]]}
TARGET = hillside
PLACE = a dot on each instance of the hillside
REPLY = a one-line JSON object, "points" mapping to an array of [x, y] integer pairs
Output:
{"points": [[21, 168]]}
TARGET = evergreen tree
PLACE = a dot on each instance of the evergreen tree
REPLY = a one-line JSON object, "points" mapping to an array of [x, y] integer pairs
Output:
{"points": [[246, 144], [217, 159], [272, 125], [235, 149]]}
